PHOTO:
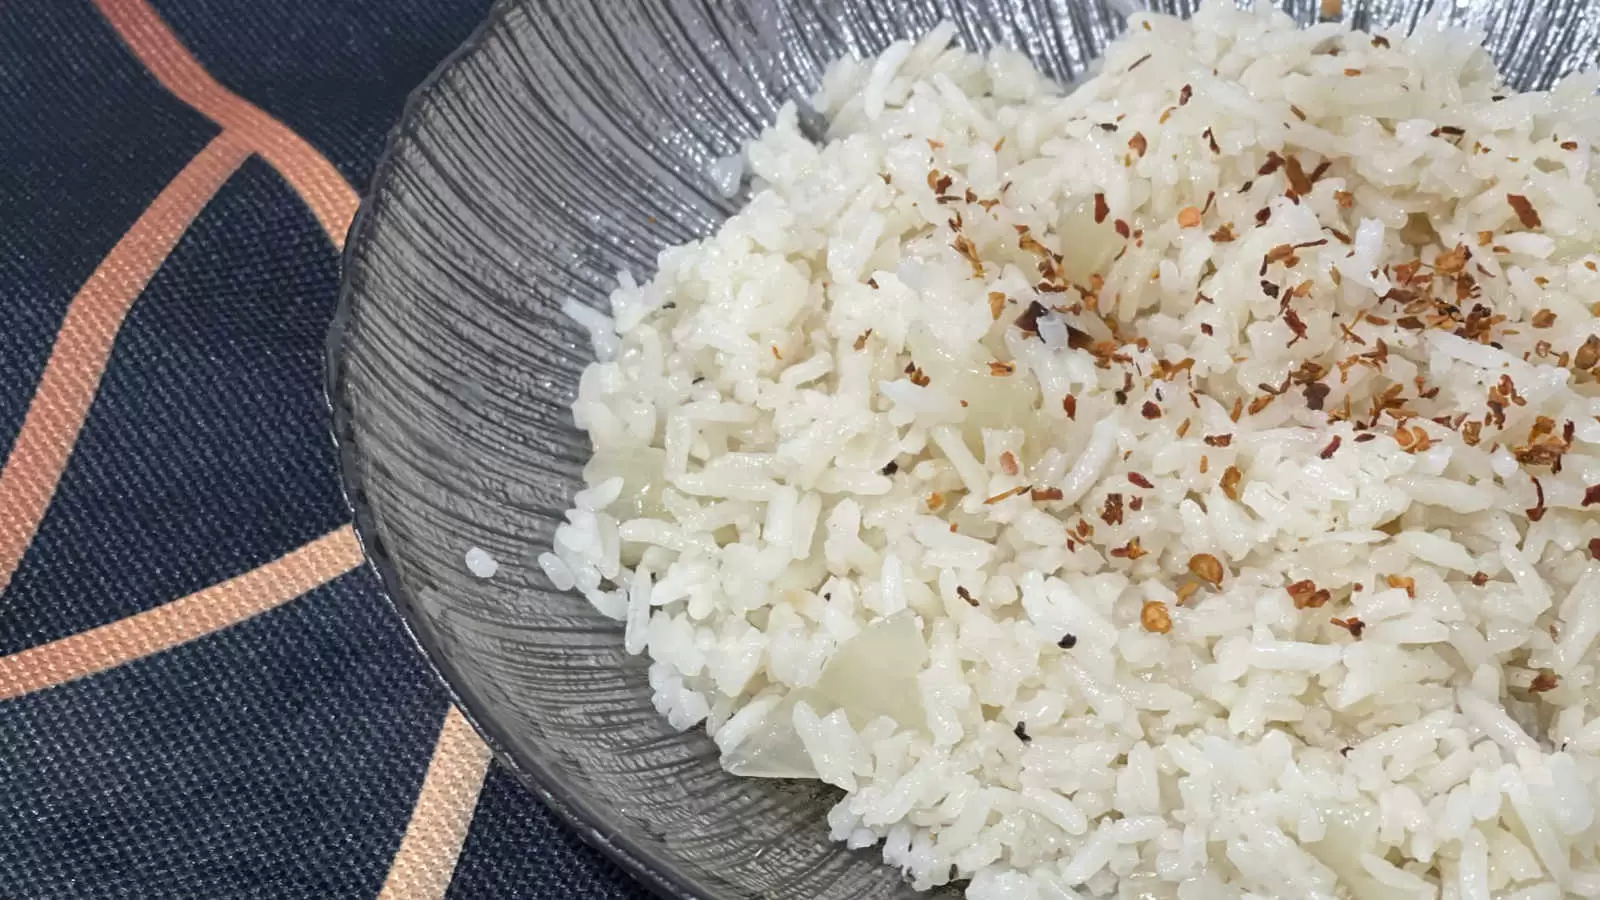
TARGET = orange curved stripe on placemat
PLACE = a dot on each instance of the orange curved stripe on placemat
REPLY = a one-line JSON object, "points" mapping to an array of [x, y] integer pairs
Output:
{"points": [[71, 376], [182, 620], [426, 860], [329, 197]]}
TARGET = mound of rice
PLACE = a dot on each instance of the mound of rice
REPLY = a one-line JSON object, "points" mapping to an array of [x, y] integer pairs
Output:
{"points": [[1185, 486]]}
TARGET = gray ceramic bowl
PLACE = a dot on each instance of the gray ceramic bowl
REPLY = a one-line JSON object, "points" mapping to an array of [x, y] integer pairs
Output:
{"points": [[569, 140]]}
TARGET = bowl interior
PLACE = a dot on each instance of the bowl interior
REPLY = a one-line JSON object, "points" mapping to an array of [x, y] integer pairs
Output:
{"points": [[567, 142]]}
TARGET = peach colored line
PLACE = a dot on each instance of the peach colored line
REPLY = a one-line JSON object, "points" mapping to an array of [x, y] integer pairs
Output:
{"points": [[426, 860], [182, 620], [71, 375], [329, 197]]}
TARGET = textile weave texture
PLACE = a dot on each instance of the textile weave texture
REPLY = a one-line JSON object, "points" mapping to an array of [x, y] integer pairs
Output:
{"points": [[203, 692]]}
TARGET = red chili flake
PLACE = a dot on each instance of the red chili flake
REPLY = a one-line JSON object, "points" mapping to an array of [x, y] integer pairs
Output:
{"points": [[1480, 578], [1101, 210], [1526, 214], [1122, 228], [861, 339], [1306, 595], [1046, 495], [1001, 369], [1223, 234], [1150, 410], [1263, 214], [1380, 41], [1218, 440], [1546, 680], [1137, 143], [1211, 140], [1273, 163], [1591, 495], [1316, 393], [1141, 61], [1206, 329], [1298, 182], [1130, 551], [1353, 625], [1292, 319], [1544, 318], [1538, 510], [1029, 320], [1328, 451], [1136, 503], [1594, 548], [1139, 480], [1111, 514], [1185, 94]]}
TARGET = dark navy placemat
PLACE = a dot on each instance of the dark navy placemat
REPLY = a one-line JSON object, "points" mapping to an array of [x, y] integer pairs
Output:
{"points": [[202, 691]]}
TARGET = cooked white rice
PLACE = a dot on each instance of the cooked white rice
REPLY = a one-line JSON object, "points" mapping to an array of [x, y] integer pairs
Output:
{"points": [[1249, 567]]}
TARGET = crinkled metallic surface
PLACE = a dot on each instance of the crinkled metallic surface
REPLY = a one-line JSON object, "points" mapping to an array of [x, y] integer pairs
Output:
{"points": [[568, 141]]}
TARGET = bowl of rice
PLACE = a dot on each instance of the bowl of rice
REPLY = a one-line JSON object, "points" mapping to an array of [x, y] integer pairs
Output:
{"points": [[1006, 450]]}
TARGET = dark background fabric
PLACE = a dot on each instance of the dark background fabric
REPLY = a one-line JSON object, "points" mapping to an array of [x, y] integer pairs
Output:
{"points": [[280, 757]]}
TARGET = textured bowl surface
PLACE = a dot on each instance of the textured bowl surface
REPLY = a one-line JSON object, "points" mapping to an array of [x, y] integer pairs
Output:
{"points": [[570, 140]]}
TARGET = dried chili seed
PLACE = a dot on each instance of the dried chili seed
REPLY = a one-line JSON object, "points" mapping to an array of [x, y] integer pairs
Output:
{"points": [[1480, 578], [1230, 482], [1401, 581], [1189, 217], [889, 468], [1206, 567], [1588, 355], [1067, 642], [861, 339], [1137, 143], [1001, 369], [1021, 731], [1154, 617], [966, 595], [1138, 480], [997, 304], [1526, 214]]}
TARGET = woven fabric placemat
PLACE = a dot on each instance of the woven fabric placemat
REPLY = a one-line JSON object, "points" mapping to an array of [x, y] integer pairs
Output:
{"points": [[203, 692]]}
